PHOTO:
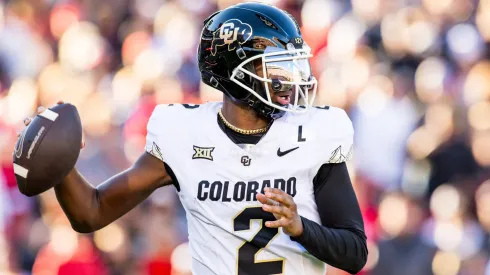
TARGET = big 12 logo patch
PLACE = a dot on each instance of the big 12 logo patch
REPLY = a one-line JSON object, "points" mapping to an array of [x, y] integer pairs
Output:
{"points": [[231, 32]]}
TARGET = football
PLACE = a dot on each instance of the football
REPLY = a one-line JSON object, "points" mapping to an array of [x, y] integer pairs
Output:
{"points": [[47, 149]]}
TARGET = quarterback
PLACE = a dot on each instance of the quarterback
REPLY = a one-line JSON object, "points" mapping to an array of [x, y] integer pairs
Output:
{"points": [[261, 175]]}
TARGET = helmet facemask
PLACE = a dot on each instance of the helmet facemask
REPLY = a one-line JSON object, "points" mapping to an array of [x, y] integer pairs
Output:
{"points": [[285, 75]]}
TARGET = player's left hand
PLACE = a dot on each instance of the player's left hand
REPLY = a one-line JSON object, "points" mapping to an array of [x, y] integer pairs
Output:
{"points": [[284, 209]]}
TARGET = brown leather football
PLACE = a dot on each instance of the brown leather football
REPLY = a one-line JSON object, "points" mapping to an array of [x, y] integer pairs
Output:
{"points": [[47, 149]]}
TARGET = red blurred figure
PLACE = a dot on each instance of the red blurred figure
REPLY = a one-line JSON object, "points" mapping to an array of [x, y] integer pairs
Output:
{"points": [[85, 260], [158, 266]]}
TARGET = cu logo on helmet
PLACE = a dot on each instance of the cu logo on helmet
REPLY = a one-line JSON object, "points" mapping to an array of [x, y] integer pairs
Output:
{"points": [[230, 33]]}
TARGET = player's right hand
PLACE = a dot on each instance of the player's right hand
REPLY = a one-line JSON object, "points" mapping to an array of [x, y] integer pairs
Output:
{"points": [[41, 109]]}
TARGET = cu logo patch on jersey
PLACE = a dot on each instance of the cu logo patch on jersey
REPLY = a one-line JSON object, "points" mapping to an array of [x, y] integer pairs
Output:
{"points": [[230, 33], [245, 160]]}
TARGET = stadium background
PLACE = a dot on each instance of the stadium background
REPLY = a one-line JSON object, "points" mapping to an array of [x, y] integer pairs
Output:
{"points": [[414, 76]]}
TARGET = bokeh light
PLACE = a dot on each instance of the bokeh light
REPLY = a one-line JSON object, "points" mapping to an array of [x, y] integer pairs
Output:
{"points": [[110, 238], [448, 235], [420, 36], [483, 19], [437, 7], [446, 202], [355, 72], [446, 263], [21, 99], [408, 30], [149, 65], [478, 116], [202, 6], [317, 14], [147, 8], [181, 258], [477, 84], [177, 28], [2, 16], [421, 143], [64, 240], [3, 255], [169, 90], [373, 256], [52, 83], [343, 37], [429, 79], [133, 45], [464, 41], [126, 89], [439, 120], [95, 114], [62, 17], [482, 197], [56, 82], [374, 98], [438, 127], [480, 148], [164, 15], [367, 10], [81, 46], [463, 38], [393, 214]]}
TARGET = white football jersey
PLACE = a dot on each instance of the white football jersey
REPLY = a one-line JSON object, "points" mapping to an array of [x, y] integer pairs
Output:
{"points": [[219, 180]]}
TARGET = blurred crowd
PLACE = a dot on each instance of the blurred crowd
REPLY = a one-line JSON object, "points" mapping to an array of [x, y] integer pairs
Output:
{"points": [[414, 76]]}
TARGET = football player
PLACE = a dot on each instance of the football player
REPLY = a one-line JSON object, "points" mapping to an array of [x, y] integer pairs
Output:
{"points": [[261, 175]]}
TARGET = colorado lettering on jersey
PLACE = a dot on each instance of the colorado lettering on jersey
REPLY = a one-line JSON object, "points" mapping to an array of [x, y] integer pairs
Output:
{"points": [[241, 191]]}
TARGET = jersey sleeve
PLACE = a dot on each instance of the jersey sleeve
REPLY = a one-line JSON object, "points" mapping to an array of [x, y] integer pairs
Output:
{"points": [[337, 136], [155, 132], [167, 129]]}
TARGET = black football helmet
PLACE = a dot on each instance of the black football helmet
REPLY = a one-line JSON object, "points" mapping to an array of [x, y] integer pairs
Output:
{"points": [[235, 41]]}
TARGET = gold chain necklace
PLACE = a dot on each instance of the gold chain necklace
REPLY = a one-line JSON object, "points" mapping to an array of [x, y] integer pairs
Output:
{"points": [[238, 130]]}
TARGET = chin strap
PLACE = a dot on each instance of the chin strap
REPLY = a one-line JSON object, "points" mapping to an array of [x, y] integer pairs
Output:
{"points": [[264, 109]]}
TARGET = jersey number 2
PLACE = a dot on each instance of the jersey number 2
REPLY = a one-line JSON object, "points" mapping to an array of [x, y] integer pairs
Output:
{"points": [[247, 252]]}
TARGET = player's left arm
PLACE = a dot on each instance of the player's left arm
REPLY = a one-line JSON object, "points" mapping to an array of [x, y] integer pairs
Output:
{"points": [[340, 240]]}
